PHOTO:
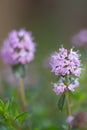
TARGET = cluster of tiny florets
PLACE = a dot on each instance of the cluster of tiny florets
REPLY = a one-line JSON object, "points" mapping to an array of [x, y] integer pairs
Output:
{"points": [[61, 87], [18, 47], [65, 62]]}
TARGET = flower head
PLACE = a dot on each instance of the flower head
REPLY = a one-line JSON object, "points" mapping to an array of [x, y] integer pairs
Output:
{"points": [[67, 65], [80, 39], [70, 119], [65, 62], [78, 121], [18, 47]]}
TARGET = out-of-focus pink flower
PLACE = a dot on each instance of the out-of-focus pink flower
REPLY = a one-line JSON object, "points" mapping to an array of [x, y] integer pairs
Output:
{"points": [[70, 119], [18, 47], [78, 121], [80, 39]]}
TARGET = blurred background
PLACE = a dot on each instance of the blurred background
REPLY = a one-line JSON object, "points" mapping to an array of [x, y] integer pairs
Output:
{"points": [[52, 23]]}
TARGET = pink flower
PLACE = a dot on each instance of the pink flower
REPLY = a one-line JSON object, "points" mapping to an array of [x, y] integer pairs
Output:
{"points": [[78, 121], [18, 47], [65, 62], [80, 39], [70, 119], [59, 88]]}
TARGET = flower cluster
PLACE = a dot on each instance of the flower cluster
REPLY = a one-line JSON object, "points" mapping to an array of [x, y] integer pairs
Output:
{"points": [[80, 39], [18, 47], [61, 87], [79, 120], [65, 63]]}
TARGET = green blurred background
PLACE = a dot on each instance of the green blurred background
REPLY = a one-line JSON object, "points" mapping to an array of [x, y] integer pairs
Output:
{"points": [[52, 23]]}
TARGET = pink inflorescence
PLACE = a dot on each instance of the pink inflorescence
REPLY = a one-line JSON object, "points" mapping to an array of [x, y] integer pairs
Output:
{"points": [[78, 121], [80, 39], [59, 88], [18, 47], [65, 63], [70, 119]]}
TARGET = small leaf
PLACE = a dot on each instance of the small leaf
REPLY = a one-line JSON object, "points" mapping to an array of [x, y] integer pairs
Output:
{"points": [[7, 106], [1, 105], [21, 117], [61, 101]]}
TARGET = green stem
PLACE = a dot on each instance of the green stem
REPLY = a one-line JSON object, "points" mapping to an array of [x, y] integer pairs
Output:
{"points": [[22, 94], [67, 103], [23, 100], [68, 107]]}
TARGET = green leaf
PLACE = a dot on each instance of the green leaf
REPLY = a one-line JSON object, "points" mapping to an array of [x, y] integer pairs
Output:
{"points": [[21, 117], [7, 106], [61, 101], [1, 105], [12, 108]]}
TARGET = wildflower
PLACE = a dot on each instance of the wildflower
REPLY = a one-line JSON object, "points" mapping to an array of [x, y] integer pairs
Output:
{"points": [[59, 88], [65, 63], [80, 39], [66, 66], [79, 120], [18, 47], [70, 119], [18, 50]]}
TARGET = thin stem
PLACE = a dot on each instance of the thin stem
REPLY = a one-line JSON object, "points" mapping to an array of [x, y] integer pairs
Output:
{"points": [[22, 94], [67, 102], [23, 100], [68, 107]]}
